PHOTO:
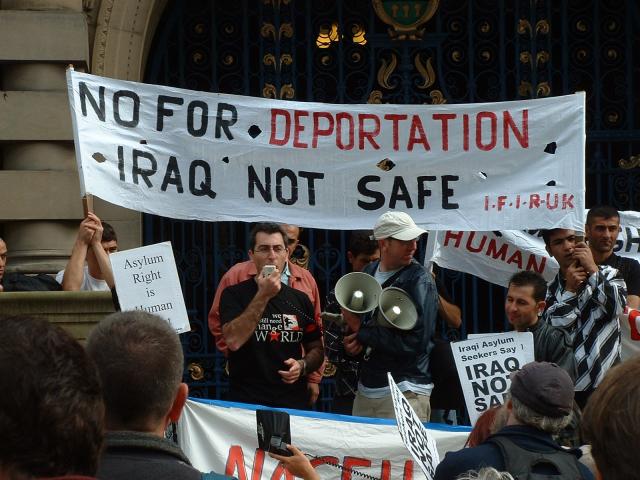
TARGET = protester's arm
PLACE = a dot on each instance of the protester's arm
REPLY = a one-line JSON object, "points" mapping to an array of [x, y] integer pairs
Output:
{"points": [[102, 257], [74, 271], [313, 358], [315, 377], [237, 331], [450, 312], [297, 464], [215, 325]]}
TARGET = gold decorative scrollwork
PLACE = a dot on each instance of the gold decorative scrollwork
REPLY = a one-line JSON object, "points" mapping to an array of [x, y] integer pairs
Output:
{"points": [[287, 92], [285, 59], [426, 71], [375, 97], [437, 98], [385, 71], [627, 163], [542, 57], [196, 371], [329, 369], [276, 3], [286, 30], [543, 89], [525, 89], [581, 26], [269, 90], [228, 60], [267, 30], [524, 26], [543, 27], [269, 59], [525, 57]]}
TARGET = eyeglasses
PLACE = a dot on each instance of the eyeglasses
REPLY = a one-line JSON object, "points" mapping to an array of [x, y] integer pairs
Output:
{"points": [[265, 249]]}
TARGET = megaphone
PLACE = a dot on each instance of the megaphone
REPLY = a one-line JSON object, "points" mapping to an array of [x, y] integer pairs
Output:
{"points": [[396, 309], [357, 292]]}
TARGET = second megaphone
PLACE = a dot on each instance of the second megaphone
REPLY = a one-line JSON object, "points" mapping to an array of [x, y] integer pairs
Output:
{"points": [[358, 292], [396, 309]]}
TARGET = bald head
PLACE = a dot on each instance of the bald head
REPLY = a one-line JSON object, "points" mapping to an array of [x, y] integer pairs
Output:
{"points": [[293, 236]]}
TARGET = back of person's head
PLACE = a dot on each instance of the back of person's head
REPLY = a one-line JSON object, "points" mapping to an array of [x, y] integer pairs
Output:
{"points": [[51, 409], [108, 233], [486, 473], [360, 242], [526, 278], [140, 362], [487, 424], [541, 396], [601, 211], [611, 422], [268, 228]]}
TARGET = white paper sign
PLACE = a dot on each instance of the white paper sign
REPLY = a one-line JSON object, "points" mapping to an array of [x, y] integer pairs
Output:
{"points": [[496, 256], [484, 365], [221, 436], [147, 279], [207, 156], [415, 437]]}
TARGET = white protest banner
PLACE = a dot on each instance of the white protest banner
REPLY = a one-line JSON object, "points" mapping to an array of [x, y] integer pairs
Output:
{"points": [[208, 156], [222, 436], [484, 365], [415, 437], [147, 279], [495, 256]]}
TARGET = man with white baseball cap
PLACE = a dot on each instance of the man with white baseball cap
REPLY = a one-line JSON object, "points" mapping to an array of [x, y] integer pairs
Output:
{"points": [[404, 353]]}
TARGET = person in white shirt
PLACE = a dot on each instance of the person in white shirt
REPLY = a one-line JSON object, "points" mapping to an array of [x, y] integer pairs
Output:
{"points": [[89, 268]]}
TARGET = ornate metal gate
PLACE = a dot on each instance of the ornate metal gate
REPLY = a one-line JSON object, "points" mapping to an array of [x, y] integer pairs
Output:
{"points": [[411, 51]]}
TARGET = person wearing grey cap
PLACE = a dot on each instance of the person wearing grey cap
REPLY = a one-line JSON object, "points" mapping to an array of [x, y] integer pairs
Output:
{"points": [[539, 403], [403, 353]]}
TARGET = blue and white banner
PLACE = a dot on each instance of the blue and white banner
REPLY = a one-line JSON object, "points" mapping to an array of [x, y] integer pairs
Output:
{"points": [[222, 437]]}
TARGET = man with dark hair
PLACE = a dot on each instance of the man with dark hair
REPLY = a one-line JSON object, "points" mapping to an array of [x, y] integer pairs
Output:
{"points": [[140, 362], [96, 240], [51, 409], [586, 300], [18, 282], [403, 353], [539, 404], [361, 252], [611, 423], [524, 305], [602, 228], [294, 276], [266, 324]]}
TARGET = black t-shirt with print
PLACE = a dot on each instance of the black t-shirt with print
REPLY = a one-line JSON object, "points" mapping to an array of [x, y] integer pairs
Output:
{"points": [[286, 324]]}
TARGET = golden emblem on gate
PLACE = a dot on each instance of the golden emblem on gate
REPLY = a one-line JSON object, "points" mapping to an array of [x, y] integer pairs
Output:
{"points": [[405, 17]]}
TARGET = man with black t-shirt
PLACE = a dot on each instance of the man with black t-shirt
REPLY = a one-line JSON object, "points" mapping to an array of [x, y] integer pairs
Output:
{"points": [[266, 324], [603, 225]]}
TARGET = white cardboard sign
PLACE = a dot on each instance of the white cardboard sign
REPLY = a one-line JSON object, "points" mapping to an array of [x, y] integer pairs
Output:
{"points": [[416, 438], [147, 279], [484, 364]]}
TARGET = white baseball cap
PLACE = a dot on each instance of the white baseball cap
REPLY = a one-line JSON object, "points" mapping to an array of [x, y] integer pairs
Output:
{"points": [[398, 225]]}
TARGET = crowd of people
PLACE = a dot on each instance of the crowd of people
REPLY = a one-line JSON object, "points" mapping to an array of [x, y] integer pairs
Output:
{"points": [[103, 411]]}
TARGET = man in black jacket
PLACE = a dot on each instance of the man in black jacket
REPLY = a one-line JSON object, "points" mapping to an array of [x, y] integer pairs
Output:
{"points": [[403, 353], [140, 363], [524, 306]]}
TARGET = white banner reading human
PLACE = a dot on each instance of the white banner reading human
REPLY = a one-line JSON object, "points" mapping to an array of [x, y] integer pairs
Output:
{"points": [[207, 156], [495, 256]]}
